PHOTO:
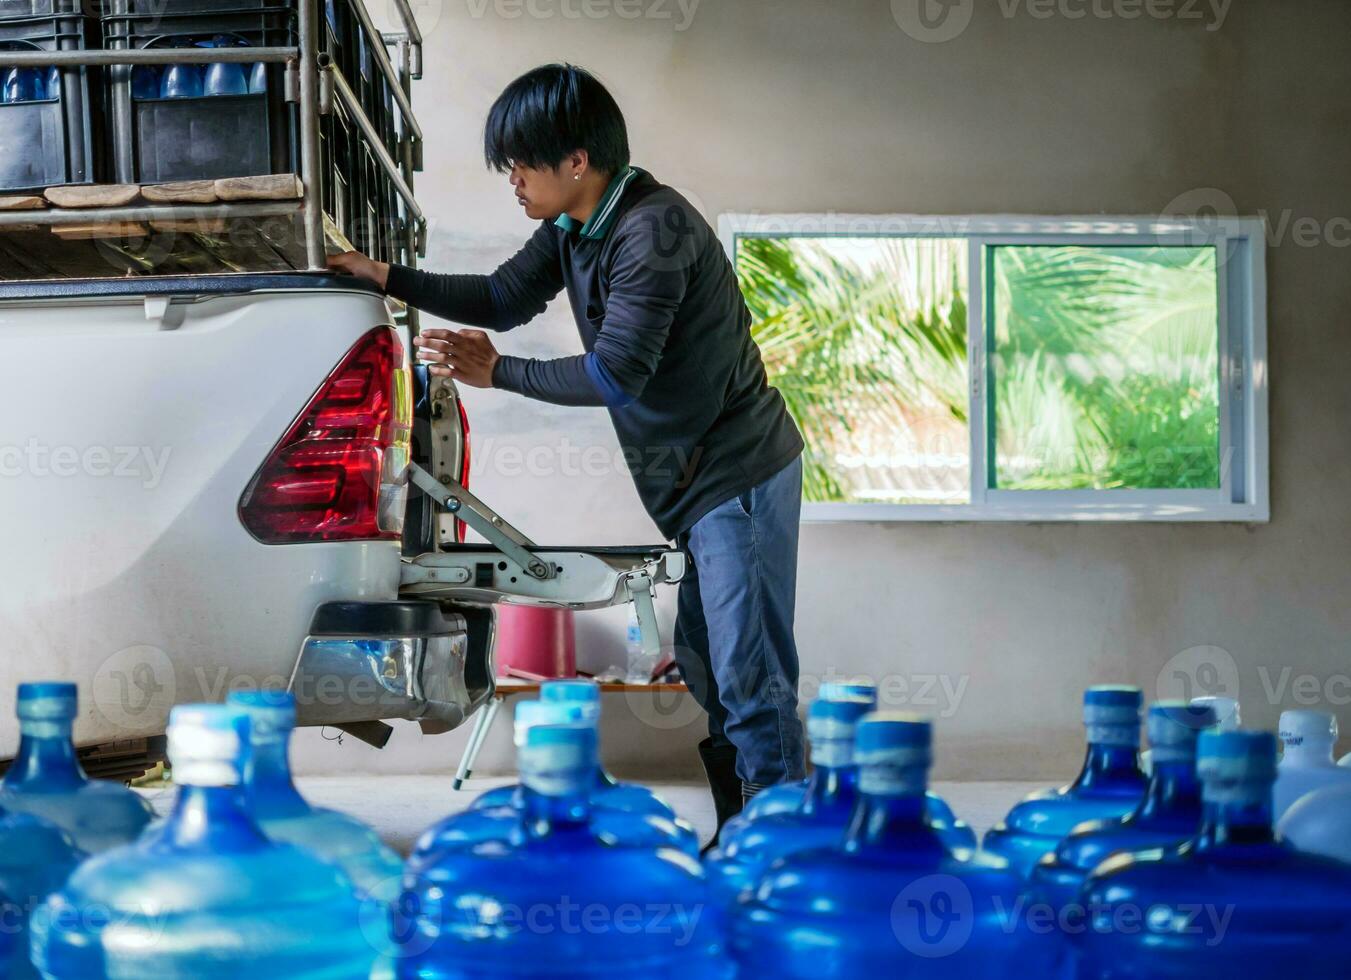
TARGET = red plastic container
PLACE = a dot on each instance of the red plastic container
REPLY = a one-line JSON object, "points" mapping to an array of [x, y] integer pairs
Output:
{"points": [[535, 642]]}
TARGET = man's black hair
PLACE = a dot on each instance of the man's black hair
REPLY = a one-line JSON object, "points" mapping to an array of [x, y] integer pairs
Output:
{"points": [[551, 111]]}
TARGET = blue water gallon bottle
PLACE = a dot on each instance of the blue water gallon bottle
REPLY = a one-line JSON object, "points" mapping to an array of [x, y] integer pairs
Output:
{"points": [[258, 78], [146, 81], [47, 781], [503, 821], [610, 793], [23, 85], [287, 817], [224, 77], [1233, 901], [563, 903], [1110, 784], [890, 899], [53, 87], [182, 81], [36, 857], [788, 795], [206, 894], [744, 852]]}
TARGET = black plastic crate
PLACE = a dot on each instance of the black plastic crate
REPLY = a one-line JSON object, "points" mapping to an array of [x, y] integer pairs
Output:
{"points": [[48, 141], [155, 139]]}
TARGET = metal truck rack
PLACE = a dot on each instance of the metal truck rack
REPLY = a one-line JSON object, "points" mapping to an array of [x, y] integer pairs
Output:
{"points": [[257, 241]]}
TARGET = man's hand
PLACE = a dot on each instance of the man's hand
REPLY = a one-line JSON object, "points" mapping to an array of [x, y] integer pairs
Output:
{"points": [[465, 355], [356, 264]]}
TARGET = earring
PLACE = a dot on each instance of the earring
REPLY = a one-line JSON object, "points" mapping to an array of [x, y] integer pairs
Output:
{"points": [[576, 176]]}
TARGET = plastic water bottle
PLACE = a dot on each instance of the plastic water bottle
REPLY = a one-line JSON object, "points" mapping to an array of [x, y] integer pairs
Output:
{"points": [[1169, 814], [258, 78], [787, 796], [889, 900], [1110, 783], [1233, 901], [181, 82], [206, 894], [53, 90], [224, 78], [1320, 823], [502, 821], [819, 821], [23, 85], [564, 902], [639, 663], [284, 814], [610, 793], [36, 857], [46, 779], [146, 81], [1307, 763], [1227, 719]]}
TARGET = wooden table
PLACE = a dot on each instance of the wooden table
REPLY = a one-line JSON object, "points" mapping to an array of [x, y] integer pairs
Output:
{"points": [[509, 686]]}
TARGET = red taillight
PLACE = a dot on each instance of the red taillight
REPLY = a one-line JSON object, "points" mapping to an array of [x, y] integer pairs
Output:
{"points": [[337, 474], [460, 526]]}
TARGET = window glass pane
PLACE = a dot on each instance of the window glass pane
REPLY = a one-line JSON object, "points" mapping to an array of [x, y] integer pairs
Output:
{"points": [[1106, 368], [866, 339]]}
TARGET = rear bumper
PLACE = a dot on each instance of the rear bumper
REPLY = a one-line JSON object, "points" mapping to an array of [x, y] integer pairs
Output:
{"points": [[411, 659]]}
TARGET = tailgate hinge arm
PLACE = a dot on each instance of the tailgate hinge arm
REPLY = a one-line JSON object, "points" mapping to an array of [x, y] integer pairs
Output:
{"points": [[640, 589], [478, 515]]}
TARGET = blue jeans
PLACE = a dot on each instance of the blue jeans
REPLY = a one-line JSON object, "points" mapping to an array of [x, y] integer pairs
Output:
{"points": [[734, 626]]}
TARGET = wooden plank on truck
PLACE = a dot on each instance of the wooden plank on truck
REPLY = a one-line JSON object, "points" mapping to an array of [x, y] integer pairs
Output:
{"points": [[92, 195], [181, 192], [269, 187]]}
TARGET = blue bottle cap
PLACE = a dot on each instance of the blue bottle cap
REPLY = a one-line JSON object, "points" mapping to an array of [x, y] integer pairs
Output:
{"points": [[558, 760], [844, 692], [1236, 766], [892, 752], [1173, 728], [578, 689], [831, 726], [271, 712], [46, 701], [529, 714], [1112, 714], [1114, 695], [206, 742]]}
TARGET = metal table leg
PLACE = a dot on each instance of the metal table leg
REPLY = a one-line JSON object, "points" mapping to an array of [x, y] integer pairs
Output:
{"points": [[476, 739]]}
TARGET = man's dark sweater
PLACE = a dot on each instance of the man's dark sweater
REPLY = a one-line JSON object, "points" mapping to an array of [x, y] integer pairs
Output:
{"points": [[667, 335]]}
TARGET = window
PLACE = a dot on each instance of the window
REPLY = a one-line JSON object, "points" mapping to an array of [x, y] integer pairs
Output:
{"points": [[1009, 368]]}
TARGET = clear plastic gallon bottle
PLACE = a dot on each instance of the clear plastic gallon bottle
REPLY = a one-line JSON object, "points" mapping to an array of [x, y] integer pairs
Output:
{"points": [[889, 900], [610, 793], [46, 779], [1110, 784], [788, 796], [1306, 762], [504, 821], [565, 902], [206, 894], [1320, 823], [1169, 814], [819, 821], [284, 814], [1232, 902]]}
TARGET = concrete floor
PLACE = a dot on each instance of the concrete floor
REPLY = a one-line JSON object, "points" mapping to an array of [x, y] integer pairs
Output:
{"points": [[400, 806]]}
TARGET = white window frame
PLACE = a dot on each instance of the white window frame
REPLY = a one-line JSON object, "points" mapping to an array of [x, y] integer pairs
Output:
{"points": [[1243, 495]]}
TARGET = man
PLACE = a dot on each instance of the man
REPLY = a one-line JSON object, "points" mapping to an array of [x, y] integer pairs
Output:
{"points": [[715, 455]]}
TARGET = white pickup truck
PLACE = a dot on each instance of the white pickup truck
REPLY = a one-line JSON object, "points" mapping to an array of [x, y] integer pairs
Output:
{"points": [[227, 481]]}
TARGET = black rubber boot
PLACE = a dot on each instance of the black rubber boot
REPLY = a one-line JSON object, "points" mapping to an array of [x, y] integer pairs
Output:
{"points": [[720, 767]]}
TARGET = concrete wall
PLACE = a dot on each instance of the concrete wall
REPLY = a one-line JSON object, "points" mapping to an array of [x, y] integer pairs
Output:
{"points": [[1068, 107]]}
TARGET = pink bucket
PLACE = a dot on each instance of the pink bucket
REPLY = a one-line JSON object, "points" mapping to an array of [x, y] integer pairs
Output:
{"points": [[535, 642]]}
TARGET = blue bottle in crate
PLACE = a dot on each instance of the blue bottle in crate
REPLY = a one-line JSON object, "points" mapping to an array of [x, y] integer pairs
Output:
{"points": [[285, 815], [206, 894], [183, 81], [1110, 784], [23, 85], [504, 821], [146, 81], [889, 900], [258, 77], [610, 794], [565, 902], [223, 77], [745, 851], [47, 781], [1169, 813], [1233, 901], [788, 796]]}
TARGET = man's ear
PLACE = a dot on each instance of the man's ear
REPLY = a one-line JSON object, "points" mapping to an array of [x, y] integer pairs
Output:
{"points": [[578, 161]]}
